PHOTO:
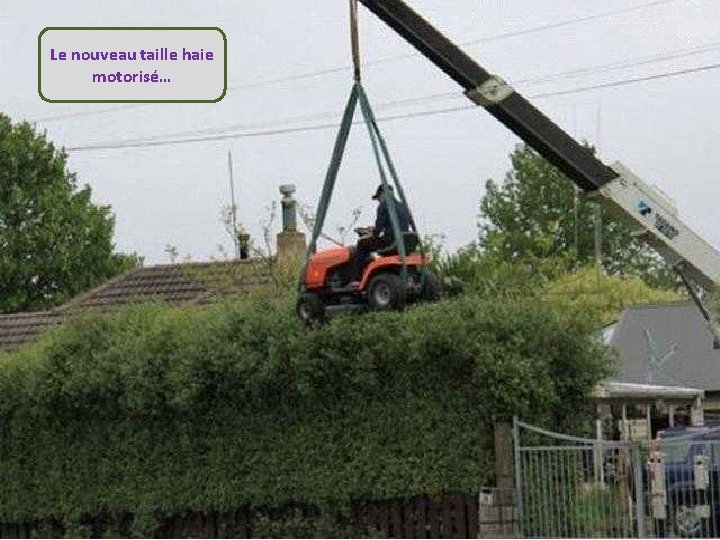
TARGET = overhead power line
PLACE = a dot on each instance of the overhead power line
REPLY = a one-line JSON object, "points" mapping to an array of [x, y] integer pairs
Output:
{"points": [[626, 64], [113, 145], [624, 82], [302, 129], [443, 96], [569, 22], [590, 70], [379, 61], [230, 89]]}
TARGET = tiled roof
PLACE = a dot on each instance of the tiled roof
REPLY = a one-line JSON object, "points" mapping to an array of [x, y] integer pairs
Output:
{"points": [[20, 328], [178, 284], [666, 344]]}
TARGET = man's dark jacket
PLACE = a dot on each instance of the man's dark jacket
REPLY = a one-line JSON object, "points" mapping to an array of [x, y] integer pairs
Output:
{"points": [[383, 223]]}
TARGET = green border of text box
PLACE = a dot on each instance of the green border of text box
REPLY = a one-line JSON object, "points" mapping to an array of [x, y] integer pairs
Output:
{"points": [[131, 28]]}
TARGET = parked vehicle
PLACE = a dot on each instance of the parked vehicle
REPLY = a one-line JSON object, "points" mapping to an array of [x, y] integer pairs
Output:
{"points": [[690, 464]]}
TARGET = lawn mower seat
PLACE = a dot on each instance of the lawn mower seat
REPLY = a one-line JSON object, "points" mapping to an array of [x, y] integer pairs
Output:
{"points": [[411, 241]]}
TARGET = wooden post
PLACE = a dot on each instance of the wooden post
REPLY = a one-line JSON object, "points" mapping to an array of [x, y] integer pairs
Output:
{"points": [[504, 462], [497, 514]]}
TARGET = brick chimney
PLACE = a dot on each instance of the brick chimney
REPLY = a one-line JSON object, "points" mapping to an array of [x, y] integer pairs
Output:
{"points": [[291, 244]]}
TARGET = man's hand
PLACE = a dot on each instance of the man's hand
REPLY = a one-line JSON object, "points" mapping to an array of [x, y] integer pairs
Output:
{"points": [[365, 232]]}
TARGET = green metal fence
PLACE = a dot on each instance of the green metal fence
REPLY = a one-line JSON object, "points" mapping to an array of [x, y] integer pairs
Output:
{"points": [[569, 487]]}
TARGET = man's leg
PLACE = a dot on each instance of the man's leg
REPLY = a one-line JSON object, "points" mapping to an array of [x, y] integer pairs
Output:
{"points": [[364, 248]]}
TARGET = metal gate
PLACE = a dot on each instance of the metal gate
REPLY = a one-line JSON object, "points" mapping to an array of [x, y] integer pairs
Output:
{"points": [[569, 487]]}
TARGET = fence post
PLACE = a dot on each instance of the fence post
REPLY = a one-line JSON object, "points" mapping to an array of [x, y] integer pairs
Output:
{"points": [[496, 512], [639, 491], [518, 478]]}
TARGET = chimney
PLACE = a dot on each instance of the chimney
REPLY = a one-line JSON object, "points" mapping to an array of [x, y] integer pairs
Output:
{"points": [[291, 244], [243, 245], [289, 207]]}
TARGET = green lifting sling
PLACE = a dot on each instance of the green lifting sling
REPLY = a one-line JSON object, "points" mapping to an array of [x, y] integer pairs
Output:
{"points": [[382, 159]]}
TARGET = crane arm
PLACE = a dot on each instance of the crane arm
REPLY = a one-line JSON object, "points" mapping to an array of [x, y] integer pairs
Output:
{"points": [[500, 99], [643, 206]]}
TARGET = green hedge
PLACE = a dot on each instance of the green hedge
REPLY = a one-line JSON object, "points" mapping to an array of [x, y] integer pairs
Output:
{"points": [[160, 410]]}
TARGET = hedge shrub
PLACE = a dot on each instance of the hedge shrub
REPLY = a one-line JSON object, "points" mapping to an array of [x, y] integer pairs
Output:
{"points": [[158, 409]]}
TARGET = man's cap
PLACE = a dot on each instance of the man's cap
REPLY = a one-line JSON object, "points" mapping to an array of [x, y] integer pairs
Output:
{"points": [[379, 191]]}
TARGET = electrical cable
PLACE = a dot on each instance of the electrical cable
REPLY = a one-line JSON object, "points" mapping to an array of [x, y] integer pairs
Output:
{"points": [[150, 143], [443, 96], [341, 69]]}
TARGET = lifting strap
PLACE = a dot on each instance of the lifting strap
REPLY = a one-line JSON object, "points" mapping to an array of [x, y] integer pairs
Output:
{"points": [[380, 151], [378, 144]]}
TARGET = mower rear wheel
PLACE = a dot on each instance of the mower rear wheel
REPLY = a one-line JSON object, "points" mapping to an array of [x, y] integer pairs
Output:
{"points": [[431, 288], [310, 308], [384, 292]]}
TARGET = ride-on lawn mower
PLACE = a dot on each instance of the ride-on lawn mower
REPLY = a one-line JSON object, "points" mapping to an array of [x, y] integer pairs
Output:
{"points": [[327, 287], [393, 276]]}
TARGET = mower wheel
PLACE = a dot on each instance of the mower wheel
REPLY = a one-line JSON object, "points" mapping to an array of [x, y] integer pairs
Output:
{"points": [[310, 309], [384, 292], [431, 289]]}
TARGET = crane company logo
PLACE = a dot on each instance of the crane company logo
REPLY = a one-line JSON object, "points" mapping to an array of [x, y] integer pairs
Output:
{"points": [[661, 223], [665, 227]]}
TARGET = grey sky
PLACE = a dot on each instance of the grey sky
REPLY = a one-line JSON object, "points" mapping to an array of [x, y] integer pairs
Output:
{"points": [[665, 130]]}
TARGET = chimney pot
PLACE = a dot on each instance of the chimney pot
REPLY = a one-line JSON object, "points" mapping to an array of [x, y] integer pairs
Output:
{"points": [[290, 242], [244, 245], [289, 208]]}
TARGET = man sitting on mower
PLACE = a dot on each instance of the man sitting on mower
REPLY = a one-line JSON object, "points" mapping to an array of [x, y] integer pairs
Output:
{"points": [[383, 235]]}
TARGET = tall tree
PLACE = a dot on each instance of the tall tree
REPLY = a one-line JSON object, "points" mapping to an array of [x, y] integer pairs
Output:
{"points": [[54, 242], [532, 215]]}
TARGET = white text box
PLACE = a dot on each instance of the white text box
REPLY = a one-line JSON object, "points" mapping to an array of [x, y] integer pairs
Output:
{"points": [[132, 64]]}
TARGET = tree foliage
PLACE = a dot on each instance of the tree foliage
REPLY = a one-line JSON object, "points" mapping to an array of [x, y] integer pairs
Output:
{"points": [[531, 215], [54, 242], [158, 409], [599, 297], [490, 276]]}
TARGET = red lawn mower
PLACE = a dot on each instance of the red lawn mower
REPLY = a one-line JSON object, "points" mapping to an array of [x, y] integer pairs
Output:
{"points": [[389, 280], [326, 288]]}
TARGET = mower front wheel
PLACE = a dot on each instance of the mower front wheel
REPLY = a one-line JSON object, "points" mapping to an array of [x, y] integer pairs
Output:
{"points": [[384, 292], [310, 309]]}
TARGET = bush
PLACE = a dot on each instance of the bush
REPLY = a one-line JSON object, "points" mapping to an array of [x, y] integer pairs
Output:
{"points": [[238, 404], [602, 298]]}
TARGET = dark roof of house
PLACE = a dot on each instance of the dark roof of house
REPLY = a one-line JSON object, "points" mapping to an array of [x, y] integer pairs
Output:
{"points": [[178, 284], [665, 344]]}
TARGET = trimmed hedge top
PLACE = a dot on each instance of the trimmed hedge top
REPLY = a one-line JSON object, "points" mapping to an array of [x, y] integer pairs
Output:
{"points": [[216, 407]]}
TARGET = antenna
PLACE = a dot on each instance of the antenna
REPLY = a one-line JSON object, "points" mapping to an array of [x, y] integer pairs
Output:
{"points": [[654, 359], [233, 207]]}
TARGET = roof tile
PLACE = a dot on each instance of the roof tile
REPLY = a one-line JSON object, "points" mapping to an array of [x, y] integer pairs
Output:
{"points": [[177, 284]]}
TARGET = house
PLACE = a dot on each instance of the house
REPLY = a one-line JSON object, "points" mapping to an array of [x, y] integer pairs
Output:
{"points": [[667, 346], [176, 284]]}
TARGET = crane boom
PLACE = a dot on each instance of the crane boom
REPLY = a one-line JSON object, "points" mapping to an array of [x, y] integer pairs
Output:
{"points": [[643, 205], [503, 102]]}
